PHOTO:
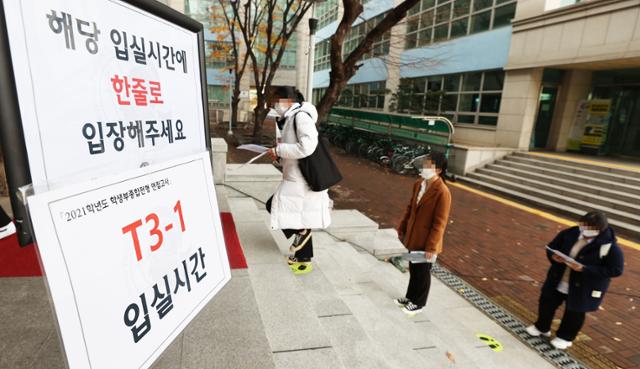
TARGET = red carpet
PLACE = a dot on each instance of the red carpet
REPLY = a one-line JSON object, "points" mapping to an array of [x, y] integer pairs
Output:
{"points": [[234, 249], [16, 261]]}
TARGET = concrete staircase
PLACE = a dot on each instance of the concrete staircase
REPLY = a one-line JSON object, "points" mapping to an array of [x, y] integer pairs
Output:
{"points": [[566, 187], [341, 315]]}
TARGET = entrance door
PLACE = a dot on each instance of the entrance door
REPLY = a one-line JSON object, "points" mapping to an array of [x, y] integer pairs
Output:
{"points": [[624, 134], [631, 141], [545, 116]]}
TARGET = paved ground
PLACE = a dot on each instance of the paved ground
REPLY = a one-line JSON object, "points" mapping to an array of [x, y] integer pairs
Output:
{"points": [[499, 250]]}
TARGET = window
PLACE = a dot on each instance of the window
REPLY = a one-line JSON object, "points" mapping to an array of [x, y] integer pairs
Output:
{"points": [[219, 95], [503, 15], [318, 93], [363, 96], [452, 19], [218, 54], [470, 98], [322, 56], [357, 33], [326, 12], [289, 58], [480, 22]]}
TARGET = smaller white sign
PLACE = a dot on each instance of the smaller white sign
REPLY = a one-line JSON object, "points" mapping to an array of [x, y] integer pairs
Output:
{"points": [[130, 260]]}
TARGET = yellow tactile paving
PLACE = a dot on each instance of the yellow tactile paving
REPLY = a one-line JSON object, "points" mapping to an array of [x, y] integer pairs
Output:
{"points": [[632, 168], [543, 214]]}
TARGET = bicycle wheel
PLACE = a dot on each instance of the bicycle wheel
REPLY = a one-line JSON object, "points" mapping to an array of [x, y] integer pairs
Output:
{"points": [[362, 149], [350, 146], [398, 163]]}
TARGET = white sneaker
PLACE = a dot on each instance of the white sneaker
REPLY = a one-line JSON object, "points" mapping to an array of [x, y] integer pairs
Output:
{"points": [[560, 344], [7, 230], [535, 332], [411, 309]]}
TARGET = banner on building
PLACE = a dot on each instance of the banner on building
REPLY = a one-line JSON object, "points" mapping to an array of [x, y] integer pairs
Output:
{"points": [[130, 260], [590, 125], [103, 86]]}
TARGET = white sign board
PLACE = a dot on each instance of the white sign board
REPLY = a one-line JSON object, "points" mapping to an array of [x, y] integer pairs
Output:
{"points": [[130, 260], [103, 87]]}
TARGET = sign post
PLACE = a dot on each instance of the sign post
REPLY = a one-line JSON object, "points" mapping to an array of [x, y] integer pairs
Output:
{"points": [[104, 111]]}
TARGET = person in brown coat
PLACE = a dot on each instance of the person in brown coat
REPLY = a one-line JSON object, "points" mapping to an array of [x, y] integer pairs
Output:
{"points": [[422, 227]]}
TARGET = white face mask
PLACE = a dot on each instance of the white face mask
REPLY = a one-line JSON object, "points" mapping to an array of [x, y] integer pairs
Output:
{"points": [[280, 108], [427, 173], [589, 233]]}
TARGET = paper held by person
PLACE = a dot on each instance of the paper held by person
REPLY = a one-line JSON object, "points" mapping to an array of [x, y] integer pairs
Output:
{"points": [[565, 257], [254, 148]]}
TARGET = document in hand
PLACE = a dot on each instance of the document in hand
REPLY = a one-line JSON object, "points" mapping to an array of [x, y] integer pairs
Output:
{"points": [[414, 257], [254, 148], [253, 159], [566, 257]]}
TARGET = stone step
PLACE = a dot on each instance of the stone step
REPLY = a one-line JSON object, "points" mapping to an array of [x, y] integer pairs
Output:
{"points": [[394, 344], [252, 173], [625, 172], [344, 222], [432, 334], [381, 244], [569, 167], [572, 176], [540, 202], [565, 193], [259, 181], [279, 296], [596, 190], [561, 199], [355, 349]]}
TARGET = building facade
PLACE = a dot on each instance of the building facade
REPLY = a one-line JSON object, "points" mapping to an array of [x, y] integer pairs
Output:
{"points": [[532, 74]]}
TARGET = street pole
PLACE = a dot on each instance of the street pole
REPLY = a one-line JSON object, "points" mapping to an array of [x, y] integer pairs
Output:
{"points": [[14, 150], [230, 131], [313, 26]]}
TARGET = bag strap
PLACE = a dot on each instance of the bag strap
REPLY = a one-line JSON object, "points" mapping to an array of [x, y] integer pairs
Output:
{"points": [[295, 121]]}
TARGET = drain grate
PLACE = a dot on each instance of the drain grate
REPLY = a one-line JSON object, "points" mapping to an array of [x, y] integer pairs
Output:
{"points": [[558, 358]]}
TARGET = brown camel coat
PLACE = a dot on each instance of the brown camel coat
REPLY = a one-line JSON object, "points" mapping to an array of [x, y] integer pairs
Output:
{"points": [[422, 226]]}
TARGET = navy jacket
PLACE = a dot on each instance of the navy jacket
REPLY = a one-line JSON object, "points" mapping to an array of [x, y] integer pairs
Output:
{"points": [[602, 260]]}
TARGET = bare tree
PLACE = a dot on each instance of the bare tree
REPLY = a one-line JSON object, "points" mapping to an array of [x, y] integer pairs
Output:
{"points": [[343, 68], [229, 48], [266, 26]]}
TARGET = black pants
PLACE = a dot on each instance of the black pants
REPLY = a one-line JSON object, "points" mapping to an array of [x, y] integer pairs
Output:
{"points": [[419, 283], [305, 253], [572, 321], [4, 218]]}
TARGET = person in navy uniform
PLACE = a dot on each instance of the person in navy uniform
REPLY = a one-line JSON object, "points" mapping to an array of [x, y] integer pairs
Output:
{"points": [[582, 284]]}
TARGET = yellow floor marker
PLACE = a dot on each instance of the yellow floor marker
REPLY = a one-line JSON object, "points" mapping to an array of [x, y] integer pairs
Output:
{"points": [[528, 209], [491, 342]]}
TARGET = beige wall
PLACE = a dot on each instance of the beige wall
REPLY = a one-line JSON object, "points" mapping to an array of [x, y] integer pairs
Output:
{"points": [[576, 86], [519, 107], [593, 34]]}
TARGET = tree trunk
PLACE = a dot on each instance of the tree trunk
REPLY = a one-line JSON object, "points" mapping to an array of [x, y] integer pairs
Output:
{"points": [[330, 97], [260, 113], [235, 102]]}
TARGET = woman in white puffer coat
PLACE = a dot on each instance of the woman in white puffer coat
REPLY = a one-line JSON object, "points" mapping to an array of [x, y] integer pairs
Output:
{"points": [[295, 208]]}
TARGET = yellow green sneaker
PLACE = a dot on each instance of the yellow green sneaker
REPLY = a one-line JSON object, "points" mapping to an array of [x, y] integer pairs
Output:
{"points": [[300, 268]]}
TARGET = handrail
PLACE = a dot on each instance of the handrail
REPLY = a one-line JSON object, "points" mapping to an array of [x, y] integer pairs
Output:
{"points": [[434, 118]]}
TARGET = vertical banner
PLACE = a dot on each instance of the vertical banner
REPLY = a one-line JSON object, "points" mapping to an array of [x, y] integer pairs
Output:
{"points": [[577, 130], [597, 124]]}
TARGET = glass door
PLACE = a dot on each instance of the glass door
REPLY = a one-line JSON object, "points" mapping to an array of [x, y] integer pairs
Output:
{"points": [[546, 107]]}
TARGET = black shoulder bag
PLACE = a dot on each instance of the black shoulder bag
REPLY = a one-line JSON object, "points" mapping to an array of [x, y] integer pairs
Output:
{"points": [[318, 169]]}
